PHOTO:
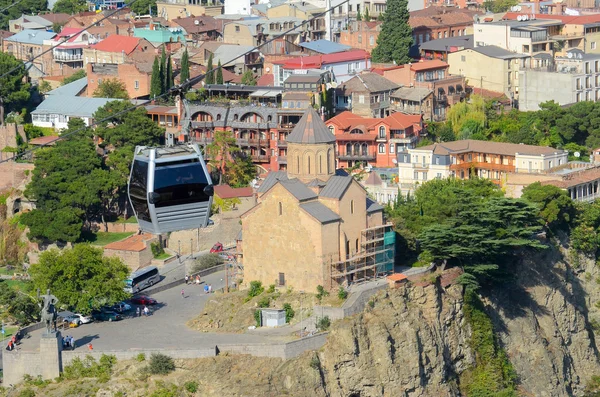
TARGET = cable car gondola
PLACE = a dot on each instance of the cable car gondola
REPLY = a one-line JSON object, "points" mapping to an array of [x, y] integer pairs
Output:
{"points": [[170, 188]]}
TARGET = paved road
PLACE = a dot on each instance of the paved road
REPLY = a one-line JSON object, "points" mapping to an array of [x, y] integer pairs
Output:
{"points": [[165, 328]]}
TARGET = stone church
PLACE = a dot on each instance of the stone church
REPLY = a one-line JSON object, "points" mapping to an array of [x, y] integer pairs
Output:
{"points": [[312, 225]]}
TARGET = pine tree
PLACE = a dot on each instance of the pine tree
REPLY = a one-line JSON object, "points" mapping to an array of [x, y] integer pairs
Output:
{"points": [[367, 18], [169, 74], [210, 74], [395, 38], [185, 67], [219, 73], [163, 71], [155, 82], [358, 16]]}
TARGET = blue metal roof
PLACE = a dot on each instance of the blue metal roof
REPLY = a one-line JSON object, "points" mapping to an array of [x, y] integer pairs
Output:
{"points": [[73, 106], [325, 46], [31, 36], [71, 89]]}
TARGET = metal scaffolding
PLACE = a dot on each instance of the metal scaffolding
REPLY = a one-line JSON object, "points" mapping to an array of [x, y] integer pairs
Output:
{"points": [[374, 259]]}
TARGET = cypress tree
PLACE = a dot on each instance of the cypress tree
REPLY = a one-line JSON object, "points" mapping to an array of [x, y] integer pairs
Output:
{"points": [[367, 17], [155, 81], [169, 74], [210, 74], [163, 71], [219, 73], [395, 38], [185, 67]]}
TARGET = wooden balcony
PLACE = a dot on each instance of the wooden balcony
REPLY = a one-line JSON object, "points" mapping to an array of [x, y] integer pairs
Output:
{"points": [[483, 166], [260, 158]]}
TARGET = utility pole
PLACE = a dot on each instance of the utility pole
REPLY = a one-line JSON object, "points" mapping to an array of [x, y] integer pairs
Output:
{"points": [[179, 251]]}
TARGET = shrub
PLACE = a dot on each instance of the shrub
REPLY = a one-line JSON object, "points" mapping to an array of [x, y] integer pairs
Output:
{"points": [[165, 390], [256, 288], [371, 304], [191, 386], [89, 368], [324, 323], [314, 362], [289, 312], [157, 249], [161, 364], [257, 318], [140, 357], [27, 393], [206, 262], [265, 301], [342, 293], [595, 325], [271, 289], [321, 293]]}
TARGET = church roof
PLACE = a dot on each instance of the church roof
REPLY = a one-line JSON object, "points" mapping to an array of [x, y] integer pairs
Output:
{"points": [[311, 129], [336, 187], [373, 179], [298, 189], [320, 212], [272, 178], [373, 206]]}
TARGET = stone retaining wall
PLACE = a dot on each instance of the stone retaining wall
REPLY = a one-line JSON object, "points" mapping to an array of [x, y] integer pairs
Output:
{"points": [[68, 356], [281, 350]]}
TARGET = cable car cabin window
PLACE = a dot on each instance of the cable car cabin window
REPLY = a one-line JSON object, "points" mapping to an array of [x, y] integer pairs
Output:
{"points": [[138, 190], [180, 182]]}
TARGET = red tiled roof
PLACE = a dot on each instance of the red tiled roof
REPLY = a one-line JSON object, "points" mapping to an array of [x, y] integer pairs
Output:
{"points": [[134, 243], [266, 80], [43, 140], [576, 178], [68, 32], [316, 61], [227, 192], [4, 34], [489, 94], [566, 19], [425, 65], [400, 121], [117, 43], [347, 120]]}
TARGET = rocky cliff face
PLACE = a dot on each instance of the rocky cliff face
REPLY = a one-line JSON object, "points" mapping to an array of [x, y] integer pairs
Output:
{"points": [[411, 342], [542, 321]]}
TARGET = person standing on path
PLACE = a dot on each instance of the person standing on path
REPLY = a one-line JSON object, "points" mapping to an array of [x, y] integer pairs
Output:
{"points": [[138, 312], [187, 279], [90, 347], [146, 311], [182, 293]]}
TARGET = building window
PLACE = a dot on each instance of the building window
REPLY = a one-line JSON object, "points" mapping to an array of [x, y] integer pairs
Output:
{"points": [[425, 176], [463, 58], [136, 85], [280, 209], [237, 28], [382, 132], [361, 99], [382, 148], [593, 45], [359, 38], [308, 163], [392, 148], [439, 175], [372, 40], [416, 176], [272, 136], [352, 206]]}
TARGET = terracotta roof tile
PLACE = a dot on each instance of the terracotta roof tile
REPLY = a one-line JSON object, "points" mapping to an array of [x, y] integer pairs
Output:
{"points": [[425, 65], [134, 243], [576, 178], [118, 43], [502, 148], [43, 140], [266, 80], [226, 191]]}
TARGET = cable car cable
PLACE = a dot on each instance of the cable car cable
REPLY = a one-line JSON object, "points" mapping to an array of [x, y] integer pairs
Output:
{"points": [[68, 38], [175, 89], [9, 6]]}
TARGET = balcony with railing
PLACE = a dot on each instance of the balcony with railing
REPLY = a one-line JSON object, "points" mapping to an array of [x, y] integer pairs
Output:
{"points": [[366, 155], [482, 165], [262, 158], [282, 159], [67, 57]]}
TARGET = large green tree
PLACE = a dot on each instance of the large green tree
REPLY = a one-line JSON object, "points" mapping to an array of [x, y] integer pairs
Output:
{"points": [[556, 207], [163, 70], [13, 91], [61, 186], [155, 81], [221, 150], [111, 88], [248, 78], [14, 9], [219, 77], [395, 38], [169, 82], [144, 7], [17, 304], [184, 74], [74, 77], [70, 6], [210, 73], [81, 278], [127, 128], [241, 170]]}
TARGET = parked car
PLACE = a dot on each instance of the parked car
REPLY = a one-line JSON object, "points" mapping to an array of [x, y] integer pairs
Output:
{"points": [[84, 319], [72, 320], [218, 247], [106, 315], [225, 256], [121, 307], [143, 300]]}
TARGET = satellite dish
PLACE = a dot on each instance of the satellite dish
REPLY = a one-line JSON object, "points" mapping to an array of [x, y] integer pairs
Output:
{"points": [[267, 69], [394, 161], [519, 18], [577, 154], [569, 55], [518, 8]]}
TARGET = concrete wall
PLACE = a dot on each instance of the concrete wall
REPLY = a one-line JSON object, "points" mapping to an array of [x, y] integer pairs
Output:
{"points": [[537, 87], [282, 350], [13, 174], [133, 259], [475, 66], [68, 356]]}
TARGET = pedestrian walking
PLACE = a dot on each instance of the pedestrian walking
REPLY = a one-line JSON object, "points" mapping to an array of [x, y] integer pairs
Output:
{"points": [[197, 280], [72, 341], [182, 293], [206, 288], [146, 311], [138, 312], [90, 347], [187, 278], [209, 288]]}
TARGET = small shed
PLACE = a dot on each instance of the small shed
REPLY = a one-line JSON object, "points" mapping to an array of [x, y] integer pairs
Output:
{"points": [[396, 280], [272, 317]]}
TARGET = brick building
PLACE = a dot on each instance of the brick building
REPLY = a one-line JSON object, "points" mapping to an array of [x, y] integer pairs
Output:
{"points": [[440, 22], [117, 49], [135, 75], [28, 44], [367, 95], [312, 225], [373, 141], [100, 30], [360, 35]]}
